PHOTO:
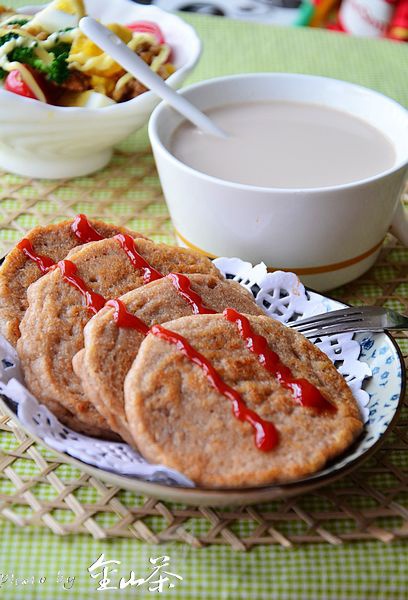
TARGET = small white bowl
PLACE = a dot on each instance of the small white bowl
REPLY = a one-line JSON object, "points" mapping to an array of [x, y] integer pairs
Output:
{"points": [[41, 140]]}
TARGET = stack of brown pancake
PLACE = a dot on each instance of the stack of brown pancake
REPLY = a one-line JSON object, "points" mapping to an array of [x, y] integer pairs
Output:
{"points": [[82, 324]]}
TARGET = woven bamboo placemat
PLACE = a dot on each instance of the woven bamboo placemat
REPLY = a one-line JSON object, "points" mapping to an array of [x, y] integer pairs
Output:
{"points": [[38, 489]]}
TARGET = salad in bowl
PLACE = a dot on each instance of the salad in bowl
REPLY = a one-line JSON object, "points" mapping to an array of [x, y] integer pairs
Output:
{"points": [[47, 58], [64, 103]]}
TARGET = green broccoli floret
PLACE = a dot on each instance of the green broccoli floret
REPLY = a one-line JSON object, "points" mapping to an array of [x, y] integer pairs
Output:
{"points": [[61, 48], [28, 57], [3, 40], [21, 54], [6, 38], [17, 22], [58, 70]]}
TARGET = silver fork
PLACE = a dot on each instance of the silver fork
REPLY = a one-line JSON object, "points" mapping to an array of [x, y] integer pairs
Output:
{"points": [[359, 318]]}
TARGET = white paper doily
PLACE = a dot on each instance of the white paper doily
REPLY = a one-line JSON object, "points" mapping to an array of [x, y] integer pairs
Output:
{"points": [[279, 294]]}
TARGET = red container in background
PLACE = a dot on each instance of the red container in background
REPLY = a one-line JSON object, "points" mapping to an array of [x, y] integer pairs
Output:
{"points": [[398, 29]]}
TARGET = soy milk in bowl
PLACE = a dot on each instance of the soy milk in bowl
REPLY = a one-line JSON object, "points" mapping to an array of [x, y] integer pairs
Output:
{"points": [[308, 179], [285, 145]]}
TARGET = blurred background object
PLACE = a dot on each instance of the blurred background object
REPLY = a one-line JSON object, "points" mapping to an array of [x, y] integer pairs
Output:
{"points": [[367, 18], [398, 29], [280, 12]]}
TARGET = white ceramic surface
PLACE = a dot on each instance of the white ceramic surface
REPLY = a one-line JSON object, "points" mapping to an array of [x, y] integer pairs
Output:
{"points": [[328, 236], [371, 364], [40, 140]]}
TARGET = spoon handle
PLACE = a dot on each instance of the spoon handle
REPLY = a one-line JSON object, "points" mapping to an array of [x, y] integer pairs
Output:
{"points": [[110, 43]]}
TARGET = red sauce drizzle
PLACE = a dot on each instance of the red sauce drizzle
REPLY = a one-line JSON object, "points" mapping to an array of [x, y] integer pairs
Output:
{"points": [[123, 318], [44, 263], [302, 390], [266, 434], [129, 246], [93, 300], [84, 231], [183, 286]]}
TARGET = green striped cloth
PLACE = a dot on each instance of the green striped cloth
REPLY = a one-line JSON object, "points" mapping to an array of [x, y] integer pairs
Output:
{"points": [[363, 570]]}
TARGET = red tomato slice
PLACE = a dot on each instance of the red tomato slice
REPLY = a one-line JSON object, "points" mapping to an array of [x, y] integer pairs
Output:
{"points": [[14, 83], [148, 27]]}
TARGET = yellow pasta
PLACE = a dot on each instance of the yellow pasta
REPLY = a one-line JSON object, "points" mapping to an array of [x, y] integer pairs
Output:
{"points": [[87, 57], [103, 85]]}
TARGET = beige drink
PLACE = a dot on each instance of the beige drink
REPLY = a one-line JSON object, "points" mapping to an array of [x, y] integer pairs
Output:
{"points": [[285, 145]]}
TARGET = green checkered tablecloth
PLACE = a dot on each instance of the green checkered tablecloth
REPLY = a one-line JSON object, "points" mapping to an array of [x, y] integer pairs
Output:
{"points": [[361, 570]]}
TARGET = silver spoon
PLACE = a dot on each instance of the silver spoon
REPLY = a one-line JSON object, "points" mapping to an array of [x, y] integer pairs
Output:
{"points": [[110, 43]]}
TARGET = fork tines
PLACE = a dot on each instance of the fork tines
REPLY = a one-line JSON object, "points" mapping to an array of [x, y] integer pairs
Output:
{"points": [[348, 319]]}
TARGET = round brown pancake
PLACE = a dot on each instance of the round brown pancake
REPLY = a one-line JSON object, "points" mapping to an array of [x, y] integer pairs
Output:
{"points": [[110, 350], [52, 327], [178, 419], [18, 272]]}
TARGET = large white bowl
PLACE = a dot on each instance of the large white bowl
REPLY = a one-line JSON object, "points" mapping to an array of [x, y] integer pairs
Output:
{"points": [[326, 235], [41, 140]]}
